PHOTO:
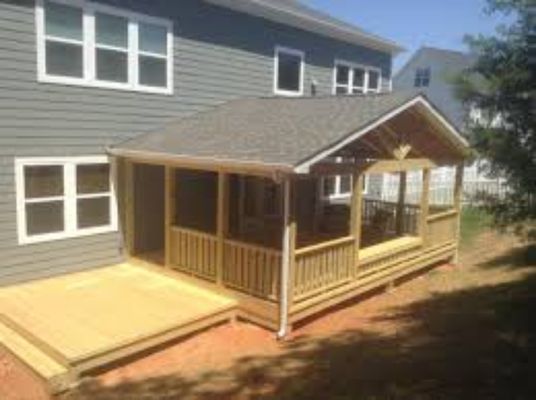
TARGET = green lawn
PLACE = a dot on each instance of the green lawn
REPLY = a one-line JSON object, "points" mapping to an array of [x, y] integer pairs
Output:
{"points": [[474, 221]]}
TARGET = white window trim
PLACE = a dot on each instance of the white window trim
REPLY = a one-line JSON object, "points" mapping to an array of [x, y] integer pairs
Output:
{"points": [[89, 47], [69, 196], [350, 85], [338, 193], [293, 52]]}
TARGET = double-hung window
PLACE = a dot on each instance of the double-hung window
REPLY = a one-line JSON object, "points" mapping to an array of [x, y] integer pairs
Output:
{"points": [[340, 186], [86, 43], [64, 197], [422, 77], [350, 78], [289, 66]]}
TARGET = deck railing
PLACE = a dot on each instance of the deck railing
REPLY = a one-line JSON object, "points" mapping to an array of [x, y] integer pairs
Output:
{"points": [[321, 267], [442, 228], [194, 252], [371, 207], [252, 269]]}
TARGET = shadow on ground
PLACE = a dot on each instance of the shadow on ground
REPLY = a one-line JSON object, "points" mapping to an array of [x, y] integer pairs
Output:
{"points": [[470, 344]]}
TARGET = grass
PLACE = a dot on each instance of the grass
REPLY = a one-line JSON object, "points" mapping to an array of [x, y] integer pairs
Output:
{"points": [[474, 221]]}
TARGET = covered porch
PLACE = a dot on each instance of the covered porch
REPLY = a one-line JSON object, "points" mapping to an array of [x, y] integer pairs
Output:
{"points": [[233, 198]]}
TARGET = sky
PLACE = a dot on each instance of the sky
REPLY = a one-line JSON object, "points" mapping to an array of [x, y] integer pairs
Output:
{"points": [[415, 23]]}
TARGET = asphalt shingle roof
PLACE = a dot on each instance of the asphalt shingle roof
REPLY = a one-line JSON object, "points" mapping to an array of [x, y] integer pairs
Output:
{"points": [[282, 131]]}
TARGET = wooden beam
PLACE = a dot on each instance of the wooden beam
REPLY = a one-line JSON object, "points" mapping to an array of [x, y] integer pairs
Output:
{"points": [[401, 203], [374, 166], [458, 198], [222, 222], [170, 211], [129, 193], [425, 205], [356, 216]]}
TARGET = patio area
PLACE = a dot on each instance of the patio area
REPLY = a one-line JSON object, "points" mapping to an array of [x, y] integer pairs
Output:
{"points": [[65, 326]]}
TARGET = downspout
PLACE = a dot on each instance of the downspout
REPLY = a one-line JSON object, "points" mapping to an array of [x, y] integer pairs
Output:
{"points": [[285, 264]]}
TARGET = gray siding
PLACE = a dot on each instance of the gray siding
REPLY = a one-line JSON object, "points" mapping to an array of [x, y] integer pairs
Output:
{"points": [[444, 66], [219, 55]]}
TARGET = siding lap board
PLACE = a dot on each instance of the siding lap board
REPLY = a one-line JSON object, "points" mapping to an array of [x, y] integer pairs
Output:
{"points": [[219, 55]]}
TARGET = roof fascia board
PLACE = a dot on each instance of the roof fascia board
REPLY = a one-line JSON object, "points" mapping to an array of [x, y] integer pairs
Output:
{"points": [[457, 139], [297, 20]]}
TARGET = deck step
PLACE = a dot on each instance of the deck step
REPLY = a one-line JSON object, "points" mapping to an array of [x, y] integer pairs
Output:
{"points": [[55, 374]]}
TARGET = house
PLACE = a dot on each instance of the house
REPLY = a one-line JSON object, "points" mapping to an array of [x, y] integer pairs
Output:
{"points": [[433, 72], [161, 164]]}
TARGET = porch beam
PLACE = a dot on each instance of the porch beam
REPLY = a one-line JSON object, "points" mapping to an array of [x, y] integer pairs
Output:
{"points": [[170, 211], [356, 216], [458, 198], [376, 166], [288, 260], [402, 188], [222, 222], [425, 205]]}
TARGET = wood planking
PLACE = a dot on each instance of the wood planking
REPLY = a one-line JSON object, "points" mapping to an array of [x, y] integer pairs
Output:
{"points": [[105, 309]]}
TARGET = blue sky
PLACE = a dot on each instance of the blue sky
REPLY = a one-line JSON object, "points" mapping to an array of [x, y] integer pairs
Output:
{"points": [[413, 23]]}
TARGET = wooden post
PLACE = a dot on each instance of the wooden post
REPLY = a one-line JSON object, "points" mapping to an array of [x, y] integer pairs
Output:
{"points": [[170, 212], [356, 215], [401, 203], [129, 195], [287, 261], [222, 222], [458, 198], [425, 205]]}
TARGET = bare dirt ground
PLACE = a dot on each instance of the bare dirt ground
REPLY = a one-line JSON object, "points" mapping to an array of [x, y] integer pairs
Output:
{"points": [[465, 332]]}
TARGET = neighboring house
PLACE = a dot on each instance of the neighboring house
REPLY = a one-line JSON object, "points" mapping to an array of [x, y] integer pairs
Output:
{"points": [[433, 71], [189, 147], [78, 76]]}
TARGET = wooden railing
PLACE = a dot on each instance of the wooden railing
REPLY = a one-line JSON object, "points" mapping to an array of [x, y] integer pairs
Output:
{"points": [[372, 207], [442, 228], [252, 269], [321, 267], [194, 252]]}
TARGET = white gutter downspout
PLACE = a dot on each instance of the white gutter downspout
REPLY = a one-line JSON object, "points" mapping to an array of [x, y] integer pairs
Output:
{"points": [[285, 264]]}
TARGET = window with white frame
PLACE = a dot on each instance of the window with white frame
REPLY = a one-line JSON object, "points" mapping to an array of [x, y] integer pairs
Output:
{"points": [[289, 66], [422, 77], [64, 197], [351, 78], [340, 186], [86, 43]]}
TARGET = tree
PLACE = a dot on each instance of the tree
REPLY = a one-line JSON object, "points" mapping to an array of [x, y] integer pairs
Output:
{"points": [[501, 85]]}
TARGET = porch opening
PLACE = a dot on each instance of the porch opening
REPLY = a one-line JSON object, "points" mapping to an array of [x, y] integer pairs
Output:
{"points": [[148, 212]]}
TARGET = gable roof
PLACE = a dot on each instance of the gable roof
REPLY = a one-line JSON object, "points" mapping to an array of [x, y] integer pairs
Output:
{"points": [[286, 134], [297, 14]]}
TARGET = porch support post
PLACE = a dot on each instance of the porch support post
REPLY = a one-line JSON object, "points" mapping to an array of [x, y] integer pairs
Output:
{"points": [[170, 212], [401, 203], [128, 193], [425, 205], [222, 222], [287, 261], [458, 198], [356, 215]]}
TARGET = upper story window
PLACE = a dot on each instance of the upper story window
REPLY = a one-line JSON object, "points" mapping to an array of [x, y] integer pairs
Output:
{"points": [[422, 77], [351, 78], [289, 69], [84, 43], [64, 197]]}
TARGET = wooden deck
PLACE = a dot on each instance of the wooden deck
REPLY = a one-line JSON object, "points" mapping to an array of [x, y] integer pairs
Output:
{"points": [[62, 327]]}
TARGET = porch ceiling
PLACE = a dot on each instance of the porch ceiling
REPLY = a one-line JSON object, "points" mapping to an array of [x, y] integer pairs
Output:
{"points": [[291, 134]]}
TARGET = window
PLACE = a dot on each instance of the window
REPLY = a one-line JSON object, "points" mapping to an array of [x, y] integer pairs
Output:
{"points": [[289, 71], [350, 78], [422, 77], [85, 43], [340, 186], [65, 197]]}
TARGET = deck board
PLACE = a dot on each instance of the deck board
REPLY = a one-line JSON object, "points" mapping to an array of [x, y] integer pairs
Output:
{"points": [[86, 315]]}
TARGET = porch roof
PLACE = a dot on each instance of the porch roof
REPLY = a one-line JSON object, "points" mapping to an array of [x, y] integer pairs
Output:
{"points": [[285, 134]]}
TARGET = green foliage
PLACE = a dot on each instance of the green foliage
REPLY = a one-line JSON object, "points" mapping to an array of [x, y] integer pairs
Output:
{"points": [[502, 85], [474, 220]]}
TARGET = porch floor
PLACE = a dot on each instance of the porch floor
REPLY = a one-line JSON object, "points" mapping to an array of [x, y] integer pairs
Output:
{"points": [[86, 320]]}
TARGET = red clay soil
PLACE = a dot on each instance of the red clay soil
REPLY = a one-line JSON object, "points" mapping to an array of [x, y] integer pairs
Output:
{"points": [[243, 361]]}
